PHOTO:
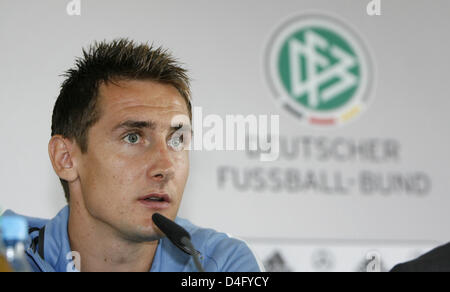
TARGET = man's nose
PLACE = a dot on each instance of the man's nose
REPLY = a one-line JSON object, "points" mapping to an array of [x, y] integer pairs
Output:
{"points": [[162, 167]]}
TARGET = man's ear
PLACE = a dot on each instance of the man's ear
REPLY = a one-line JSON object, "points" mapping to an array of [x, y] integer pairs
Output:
{"points": [[61, 152]]}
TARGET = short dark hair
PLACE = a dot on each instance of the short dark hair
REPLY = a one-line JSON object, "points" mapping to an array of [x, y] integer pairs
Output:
{"points": [[75, 110]]}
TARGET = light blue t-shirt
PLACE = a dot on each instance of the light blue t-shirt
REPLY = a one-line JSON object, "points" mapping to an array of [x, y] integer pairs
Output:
{"points": [[48, 249]]}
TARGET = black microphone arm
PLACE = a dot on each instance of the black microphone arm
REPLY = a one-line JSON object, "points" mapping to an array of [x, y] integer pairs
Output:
{"points": [[178, 236]]}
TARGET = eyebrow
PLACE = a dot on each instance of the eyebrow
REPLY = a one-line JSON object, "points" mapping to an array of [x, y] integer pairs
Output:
{"points": [[151, 125]]}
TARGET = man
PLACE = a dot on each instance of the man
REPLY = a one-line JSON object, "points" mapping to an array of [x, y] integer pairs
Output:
{"points": [[118, 147], [437, 260]]}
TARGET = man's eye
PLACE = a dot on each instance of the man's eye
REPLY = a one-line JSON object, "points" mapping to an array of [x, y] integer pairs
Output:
{"points": [[176, 142], [132, 138]]}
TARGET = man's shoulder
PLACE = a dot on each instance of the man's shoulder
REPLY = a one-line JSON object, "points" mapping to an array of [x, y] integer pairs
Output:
{"points": [[209, 239], [224, 251], [437, 260], [201, 233]]}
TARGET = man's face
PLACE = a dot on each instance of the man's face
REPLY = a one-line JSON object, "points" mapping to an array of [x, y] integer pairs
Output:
{"points": [[129, 159]]}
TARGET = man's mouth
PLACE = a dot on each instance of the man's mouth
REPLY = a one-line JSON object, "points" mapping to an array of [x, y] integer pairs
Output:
{"points": [[155, 201]]}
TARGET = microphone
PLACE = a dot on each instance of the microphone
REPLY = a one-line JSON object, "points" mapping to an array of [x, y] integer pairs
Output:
{"points": [[178, 236]]}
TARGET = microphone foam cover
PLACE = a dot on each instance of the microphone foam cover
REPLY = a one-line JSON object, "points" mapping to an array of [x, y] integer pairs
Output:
{"points": [[172, 230]]}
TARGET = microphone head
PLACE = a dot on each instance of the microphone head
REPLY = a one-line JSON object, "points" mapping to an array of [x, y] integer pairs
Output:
{"points": [[176, 234]]}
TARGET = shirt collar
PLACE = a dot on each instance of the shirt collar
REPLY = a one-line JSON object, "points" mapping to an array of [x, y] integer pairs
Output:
{"points": [[57, 252]]}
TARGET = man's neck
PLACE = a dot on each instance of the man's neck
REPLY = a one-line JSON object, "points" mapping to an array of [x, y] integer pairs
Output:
{"points": [[101, 249]]}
